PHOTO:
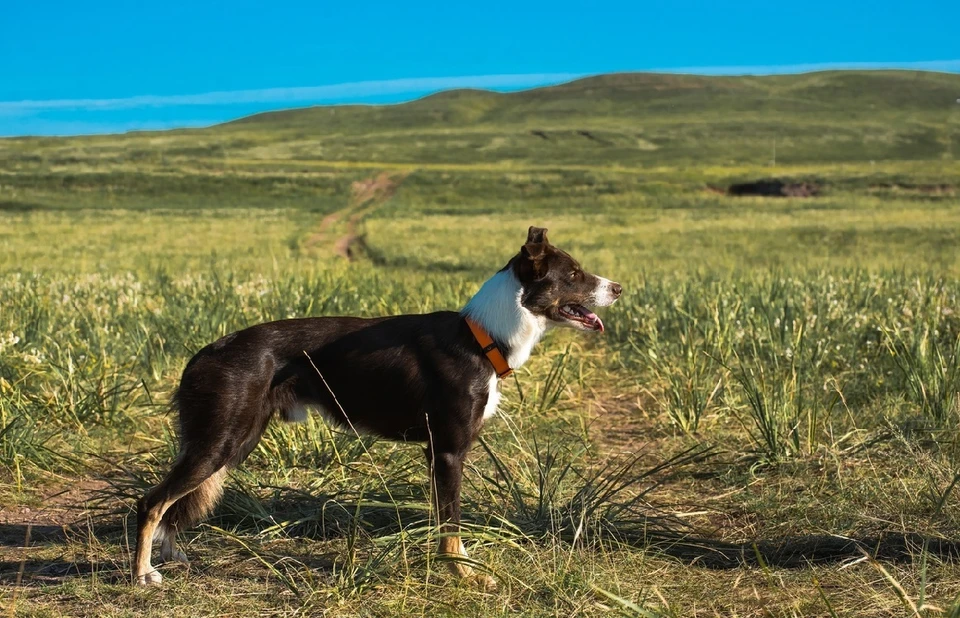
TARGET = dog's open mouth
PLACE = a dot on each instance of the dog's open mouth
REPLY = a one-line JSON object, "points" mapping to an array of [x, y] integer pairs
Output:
{"points": [[582, 315]]}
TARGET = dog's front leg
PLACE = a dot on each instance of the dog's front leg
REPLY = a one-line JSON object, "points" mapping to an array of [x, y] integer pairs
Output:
{"points": [[447, 473]]}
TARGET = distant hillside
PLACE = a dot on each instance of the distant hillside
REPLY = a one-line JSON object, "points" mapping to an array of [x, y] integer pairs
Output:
{"points": [[643, 118], [630, 119], [645, 97]]}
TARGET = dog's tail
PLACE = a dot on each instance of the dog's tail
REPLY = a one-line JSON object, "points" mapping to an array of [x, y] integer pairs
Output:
{"points": [[192, 507], [218, 430]]}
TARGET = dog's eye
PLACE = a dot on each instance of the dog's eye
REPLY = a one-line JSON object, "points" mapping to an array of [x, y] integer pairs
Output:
{"points": [[575, 274]]}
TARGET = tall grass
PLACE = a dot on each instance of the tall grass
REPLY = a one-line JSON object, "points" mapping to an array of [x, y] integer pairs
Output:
{"points": [[86, 352], [929, 364], [751, 361], [794, 348]]}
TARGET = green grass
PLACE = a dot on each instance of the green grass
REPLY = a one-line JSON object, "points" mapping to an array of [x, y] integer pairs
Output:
{"points": [[779, 373]]}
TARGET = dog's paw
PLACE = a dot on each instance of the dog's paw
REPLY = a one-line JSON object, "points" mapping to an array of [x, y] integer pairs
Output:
{"points": [[482, 581], [151, 578]]}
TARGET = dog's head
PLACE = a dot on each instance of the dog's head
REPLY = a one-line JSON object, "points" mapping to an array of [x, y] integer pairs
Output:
{"points": [[557, 288]]}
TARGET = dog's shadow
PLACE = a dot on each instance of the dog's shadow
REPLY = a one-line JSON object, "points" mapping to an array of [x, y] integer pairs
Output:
{"points": [[329, 517], [294, 514], [322, 516], [42, 555]]}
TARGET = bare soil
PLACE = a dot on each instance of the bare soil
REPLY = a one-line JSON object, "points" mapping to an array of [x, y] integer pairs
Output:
{"points": [[774, 187]]}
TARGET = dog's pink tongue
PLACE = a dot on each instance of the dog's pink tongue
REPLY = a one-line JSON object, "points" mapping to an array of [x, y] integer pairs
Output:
{"points": [[594, 320]]}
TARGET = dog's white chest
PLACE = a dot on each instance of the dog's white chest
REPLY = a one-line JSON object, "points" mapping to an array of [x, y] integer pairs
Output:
{"points": [[493, 398]]}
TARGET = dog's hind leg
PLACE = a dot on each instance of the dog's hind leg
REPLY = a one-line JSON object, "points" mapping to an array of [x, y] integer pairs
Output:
{"points": [[186, 512], [190, 474]]}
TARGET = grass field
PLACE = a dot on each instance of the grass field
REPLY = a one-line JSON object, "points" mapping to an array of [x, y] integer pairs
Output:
{"points": [[767, 428]]}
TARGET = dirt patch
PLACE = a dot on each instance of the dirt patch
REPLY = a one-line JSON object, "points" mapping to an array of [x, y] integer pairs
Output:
{"points": [[58, 507], [379, 189], [620, 422], [774, 187], [319, 237], [778, 187], [346, 245]]}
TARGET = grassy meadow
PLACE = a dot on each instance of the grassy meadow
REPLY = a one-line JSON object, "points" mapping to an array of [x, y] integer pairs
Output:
{"points": [[768, 426]]}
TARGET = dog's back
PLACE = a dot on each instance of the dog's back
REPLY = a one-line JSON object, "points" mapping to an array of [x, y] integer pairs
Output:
{"points": [[376, 375]]}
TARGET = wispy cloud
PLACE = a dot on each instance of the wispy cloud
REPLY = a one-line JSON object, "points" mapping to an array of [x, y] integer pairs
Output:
{"points": [[316, 94], [44, 126], [943, 66]]}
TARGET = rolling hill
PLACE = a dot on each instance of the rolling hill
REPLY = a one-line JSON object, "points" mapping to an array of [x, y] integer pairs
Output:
{"points": [[642, 119], [887, 124], [626, 119]]}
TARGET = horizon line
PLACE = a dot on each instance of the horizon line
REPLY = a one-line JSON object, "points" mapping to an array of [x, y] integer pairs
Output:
{"points": [[420, 86]]}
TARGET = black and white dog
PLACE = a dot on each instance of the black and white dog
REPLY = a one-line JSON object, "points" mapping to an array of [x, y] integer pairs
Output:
{"points": [[423, 378]]}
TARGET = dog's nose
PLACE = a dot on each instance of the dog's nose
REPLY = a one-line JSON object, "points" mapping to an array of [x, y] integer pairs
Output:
{"points": [[616, 288]]}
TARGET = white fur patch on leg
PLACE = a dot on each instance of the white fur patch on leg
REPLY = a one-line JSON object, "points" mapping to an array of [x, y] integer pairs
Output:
{"points": [[168, 545], [493, 398], [170, 553], [151, 578]]}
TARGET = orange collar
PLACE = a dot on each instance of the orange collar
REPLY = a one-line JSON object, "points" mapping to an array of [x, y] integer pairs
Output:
{"points": [[490, 349]]}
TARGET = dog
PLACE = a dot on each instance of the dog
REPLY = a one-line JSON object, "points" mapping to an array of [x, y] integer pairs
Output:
{"points": [[430, 378]]}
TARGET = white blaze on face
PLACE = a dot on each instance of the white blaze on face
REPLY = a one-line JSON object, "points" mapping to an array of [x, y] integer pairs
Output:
{"points": [[603, 294]]}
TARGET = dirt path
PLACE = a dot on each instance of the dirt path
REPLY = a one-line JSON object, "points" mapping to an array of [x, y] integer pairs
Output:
{"points": [[60, 508], [344, 245], [365, 197]]}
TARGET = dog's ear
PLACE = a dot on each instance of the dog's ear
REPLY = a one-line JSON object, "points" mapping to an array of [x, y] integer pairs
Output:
{"points": [[537, 235], [533, 264]]}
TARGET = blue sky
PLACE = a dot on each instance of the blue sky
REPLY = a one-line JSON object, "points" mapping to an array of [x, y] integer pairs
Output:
{"points": [[72, 67]]}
